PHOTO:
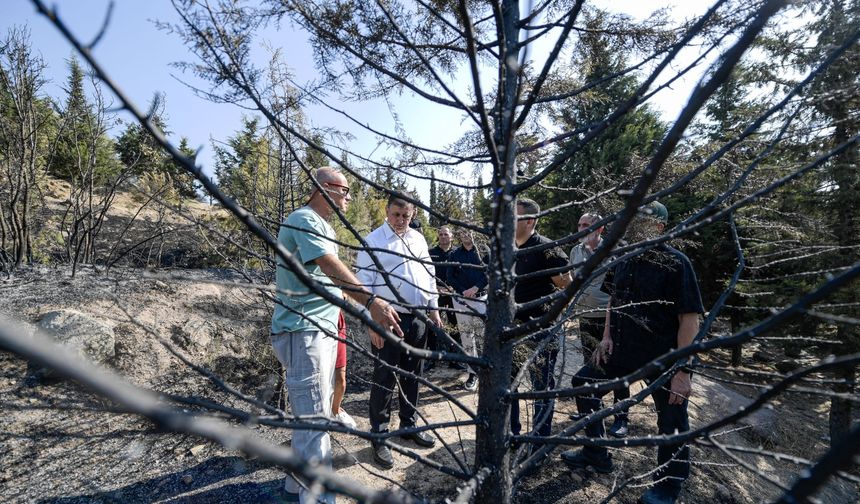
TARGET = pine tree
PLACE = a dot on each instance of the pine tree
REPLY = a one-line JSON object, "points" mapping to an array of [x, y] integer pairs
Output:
{"points": [[481, 208], [138, 150], [236, 158], [836, 97], [434, 199], [606, 160], [76, 127], [183, 181]]}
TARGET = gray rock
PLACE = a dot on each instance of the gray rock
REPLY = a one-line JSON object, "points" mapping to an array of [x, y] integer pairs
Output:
{"points": [[716, 401], [762, 356], [793, 351], [787, 365], [723, 494], [89, 337], [575, 479]]}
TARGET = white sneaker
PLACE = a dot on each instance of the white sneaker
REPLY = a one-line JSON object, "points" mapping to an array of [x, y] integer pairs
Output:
{"points": [[344, 418]]}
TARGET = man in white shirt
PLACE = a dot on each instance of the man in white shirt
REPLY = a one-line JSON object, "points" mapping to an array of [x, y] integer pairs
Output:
{"points": [[415, 282]]}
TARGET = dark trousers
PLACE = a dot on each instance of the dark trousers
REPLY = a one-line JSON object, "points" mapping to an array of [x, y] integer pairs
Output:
{"points": [[590, 334], [674, 460], [542, 378], [385, 379], [433, 342]]}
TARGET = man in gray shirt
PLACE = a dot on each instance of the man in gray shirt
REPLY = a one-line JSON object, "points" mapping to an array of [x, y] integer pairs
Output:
{"points": [[592, 308]]}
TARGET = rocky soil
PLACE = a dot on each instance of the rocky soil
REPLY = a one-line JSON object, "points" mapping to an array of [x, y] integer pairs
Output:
{"points": [[60, 444]]}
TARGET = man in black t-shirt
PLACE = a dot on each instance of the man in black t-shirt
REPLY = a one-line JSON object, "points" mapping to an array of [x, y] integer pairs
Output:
{"points": [[539, 284], [654, 308]]}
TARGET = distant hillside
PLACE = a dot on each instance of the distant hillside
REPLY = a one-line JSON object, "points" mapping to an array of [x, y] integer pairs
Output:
{"points": [[138, 230]]}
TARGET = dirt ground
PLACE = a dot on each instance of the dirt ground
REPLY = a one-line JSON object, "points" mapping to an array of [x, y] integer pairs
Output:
{"points": [[59, 444]]}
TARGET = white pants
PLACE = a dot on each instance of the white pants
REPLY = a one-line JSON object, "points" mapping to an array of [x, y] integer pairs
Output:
{"points": [[470, 326], [308, 357]]}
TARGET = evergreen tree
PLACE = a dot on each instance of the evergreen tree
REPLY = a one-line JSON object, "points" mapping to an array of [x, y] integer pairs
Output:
{"points": [[449, 203], [182, 180], [606, 160], [481, 207], [434, 199], [76, 125], [836, 97], [237, 159], [141, 153]]}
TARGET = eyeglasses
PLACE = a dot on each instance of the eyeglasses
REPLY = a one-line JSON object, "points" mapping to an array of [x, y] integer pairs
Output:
{"points": [[344, 192]]}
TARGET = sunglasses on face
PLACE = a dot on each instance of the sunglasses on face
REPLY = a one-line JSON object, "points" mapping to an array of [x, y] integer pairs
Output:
{"points": [[345, 190]]}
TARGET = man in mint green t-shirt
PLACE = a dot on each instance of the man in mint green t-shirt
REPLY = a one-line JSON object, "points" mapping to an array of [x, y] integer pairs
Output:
{"points": [[304, 323]]}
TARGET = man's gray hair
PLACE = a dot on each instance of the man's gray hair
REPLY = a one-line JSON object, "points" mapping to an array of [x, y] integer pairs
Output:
{"points": [[592, 217]]}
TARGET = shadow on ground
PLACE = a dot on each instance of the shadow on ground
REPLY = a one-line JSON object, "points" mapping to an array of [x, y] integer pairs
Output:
{"points": [[202, 483]]}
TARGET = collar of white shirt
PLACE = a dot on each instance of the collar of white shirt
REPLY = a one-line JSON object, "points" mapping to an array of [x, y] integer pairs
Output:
{"points": [[389, 232]]}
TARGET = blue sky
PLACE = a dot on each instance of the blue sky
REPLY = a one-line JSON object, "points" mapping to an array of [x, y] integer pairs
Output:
{"points": [[138, 57], [134, 52]]}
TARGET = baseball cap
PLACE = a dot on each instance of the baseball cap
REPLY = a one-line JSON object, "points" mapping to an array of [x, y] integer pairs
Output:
{"points": [[655, 210]]}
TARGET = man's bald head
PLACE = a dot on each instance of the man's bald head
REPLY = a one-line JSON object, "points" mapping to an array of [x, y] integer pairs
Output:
{"points": [[334, 183], [330, 175]]}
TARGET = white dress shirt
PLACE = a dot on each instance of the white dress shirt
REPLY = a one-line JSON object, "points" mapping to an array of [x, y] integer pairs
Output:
{"points": [[415, 281]]}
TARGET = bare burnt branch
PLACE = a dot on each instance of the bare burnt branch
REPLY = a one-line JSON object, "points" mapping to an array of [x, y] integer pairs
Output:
{"points": [[663, 440], [697, 100], [632, 250], [467, 493], [245, 84], [484, 124]]}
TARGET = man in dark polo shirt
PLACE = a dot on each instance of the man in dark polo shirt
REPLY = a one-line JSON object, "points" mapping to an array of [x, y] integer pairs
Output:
{"points": [[654, 307], [530, 289]]}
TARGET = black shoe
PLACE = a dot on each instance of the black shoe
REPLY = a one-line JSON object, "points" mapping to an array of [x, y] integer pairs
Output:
{"points": [[619, 427], [659, 495], [382, 456], [420, 438], [472, 383], [580, 459]]}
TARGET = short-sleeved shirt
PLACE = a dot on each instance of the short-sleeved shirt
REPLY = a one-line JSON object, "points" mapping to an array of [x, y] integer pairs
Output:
{"points": [[308, 236], [648, 293], [593, 301], [529, 289]]}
